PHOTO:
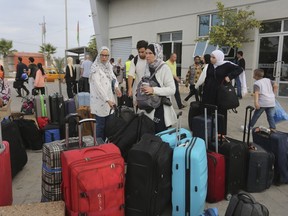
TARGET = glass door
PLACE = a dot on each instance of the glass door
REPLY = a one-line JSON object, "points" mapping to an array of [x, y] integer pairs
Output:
{"points": [[281, 74]]}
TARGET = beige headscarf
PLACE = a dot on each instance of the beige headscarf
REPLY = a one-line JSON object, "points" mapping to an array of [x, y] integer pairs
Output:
{"points": [[70, 65]]}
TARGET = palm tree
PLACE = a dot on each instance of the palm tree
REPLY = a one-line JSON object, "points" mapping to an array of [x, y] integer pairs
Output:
{"points": [[58, 64], [48, 50], [5, 50]]}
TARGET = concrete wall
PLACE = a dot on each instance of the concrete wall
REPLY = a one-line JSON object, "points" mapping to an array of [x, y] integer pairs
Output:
{"points": [[146, 19]]}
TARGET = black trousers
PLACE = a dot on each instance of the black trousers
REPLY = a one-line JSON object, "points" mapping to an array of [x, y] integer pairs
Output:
{"points": [[193, 91], [21, 85], [177, 95]]}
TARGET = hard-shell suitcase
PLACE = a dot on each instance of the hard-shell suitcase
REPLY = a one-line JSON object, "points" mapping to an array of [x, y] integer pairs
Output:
{"points": [[57, 108], [18, 155], [70, 107], [51, 162], [216, 165], [277, 143], [260, 165], [5, 173], [83, 99], [93, 180], [195, 109], [42, 106], [173, 136], [189, 177], [148, 178]]}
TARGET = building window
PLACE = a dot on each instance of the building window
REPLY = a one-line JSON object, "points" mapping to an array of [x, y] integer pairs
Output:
{"points": [[285, 25], [270, 27], [206, 22]]}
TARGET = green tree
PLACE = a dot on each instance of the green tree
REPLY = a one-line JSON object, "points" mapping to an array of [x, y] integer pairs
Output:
{"points": [[58, 64], [48, 50], [92, 47], [233, 27], [6, 49]]}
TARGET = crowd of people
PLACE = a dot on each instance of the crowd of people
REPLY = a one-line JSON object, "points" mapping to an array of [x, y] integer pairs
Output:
{"points": [[104, 79]]}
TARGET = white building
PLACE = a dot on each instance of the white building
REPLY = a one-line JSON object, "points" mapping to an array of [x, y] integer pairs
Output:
{"points": [[176, 24]]}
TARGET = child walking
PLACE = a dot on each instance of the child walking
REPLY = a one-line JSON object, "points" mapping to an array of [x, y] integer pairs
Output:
{"points": [[264, 99]]}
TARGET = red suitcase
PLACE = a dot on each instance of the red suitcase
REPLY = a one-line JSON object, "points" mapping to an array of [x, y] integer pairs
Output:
{"points": [[5, 173], [93, 180], [216, 166]]}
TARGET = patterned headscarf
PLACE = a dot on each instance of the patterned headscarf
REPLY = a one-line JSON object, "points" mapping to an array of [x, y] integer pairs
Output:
{"points": [[157, 50], [98, 65]]}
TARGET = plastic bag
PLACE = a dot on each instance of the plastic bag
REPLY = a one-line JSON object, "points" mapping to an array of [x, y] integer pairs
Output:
{"points": [[280, 113]]}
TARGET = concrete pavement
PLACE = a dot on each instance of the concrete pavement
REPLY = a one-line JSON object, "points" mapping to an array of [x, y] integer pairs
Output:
{"points": [[27, 184]]}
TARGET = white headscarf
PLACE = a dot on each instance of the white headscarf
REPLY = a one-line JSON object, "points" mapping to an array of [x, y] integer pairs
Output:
{"points": [[70, 65], [219, 55], [98, 65]]}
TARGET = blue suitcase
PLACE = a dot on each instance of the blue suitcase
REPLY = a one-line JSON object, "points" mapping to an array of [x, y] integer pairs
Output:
{"points": [[189, 177], [84, 99], [172, 135]]}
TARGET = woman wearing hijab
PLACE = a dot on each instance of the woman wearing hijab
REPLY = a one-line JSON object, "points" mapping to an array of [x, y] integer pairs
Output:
{"points": [[218, 72], [163, 116], [101, 95], [70, 77]]}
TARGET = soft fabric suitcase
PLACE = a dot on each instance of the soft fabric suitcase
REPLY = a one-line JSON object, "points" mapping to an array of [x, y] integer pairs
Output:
{"points": [[260, 165], [5, 173], [195, 109], [51, 163], [42, 106], [70, 107], [83, 99], [216, 165], [277, 143], [173, 136], [189, 177], [93, 181], [18, 155], [51, 133], [57, 108], [124, 100], [148, 178]]}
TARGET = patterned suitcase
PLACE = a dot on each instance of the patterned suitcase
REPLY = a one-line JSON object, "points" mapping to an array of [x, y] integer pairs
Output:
{"points": [[5, 174], [51, 166]]}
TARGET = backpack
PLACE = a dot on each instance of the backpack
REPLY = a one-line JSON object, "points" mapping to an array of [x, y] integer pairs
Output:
{"points": [[144, 101], [244, 204]]}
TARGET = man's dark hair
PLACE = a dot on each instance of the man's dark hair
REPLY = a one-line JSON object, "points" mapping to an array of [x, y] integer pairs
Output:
{"points": [[172, 54], [112, 60], [240, 53], [142, 44], [207, 58], [77, 61], [196, 57], [31, 59], [20, 59], [131, 57]]}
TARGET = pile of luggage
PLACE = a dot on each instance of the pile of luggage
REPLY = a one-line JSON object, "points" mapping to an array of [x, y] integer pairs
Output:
{"points": [[138, 172]]}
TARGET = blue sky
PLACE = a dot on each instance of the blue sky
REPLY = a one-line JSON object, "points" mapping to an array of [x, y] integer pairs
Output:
{"points": [[20, 22]]}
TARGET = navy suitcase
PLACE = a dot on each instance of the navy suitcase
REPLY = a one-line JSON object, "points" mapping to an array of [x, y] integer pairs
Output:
{"points": [[277, 143], [189, 177], [174, 136], [260, 165]]}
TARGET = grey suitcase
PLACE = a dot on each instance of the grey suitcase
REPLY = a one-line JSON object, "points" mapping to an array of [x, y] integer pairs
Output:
{"points": [[51, 163], [38, 103]]}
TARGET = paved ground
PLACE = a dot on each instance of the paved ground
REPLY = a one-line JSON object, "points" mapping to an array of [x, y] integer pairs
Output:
{"points": [[27, 184]]}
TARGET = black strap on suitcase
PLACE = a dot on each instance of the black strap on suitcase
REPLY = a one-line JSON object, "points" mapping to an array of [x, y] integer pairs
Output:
{"points": [[18, 155], [260, 164], [57, 109], [148, 179]]}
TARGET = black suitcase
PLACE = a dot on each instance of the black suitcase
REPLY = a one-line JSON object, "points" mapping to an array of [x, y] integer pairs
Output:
{"points": [[18, 155], [260, 168], [124, 100], [57, 110], [195, 109], [148, 179], [277, 143]]}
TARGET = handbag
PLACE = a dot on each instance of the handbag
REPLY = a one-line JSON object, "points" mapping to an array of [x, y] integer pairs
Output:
{"points": [[227, 98], [244, 204], [17, 84]]}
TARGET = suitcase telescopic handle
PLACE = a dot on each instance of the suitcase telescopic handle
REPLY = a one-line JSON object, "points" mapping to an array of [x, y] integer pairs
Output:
{"points": [[67, 118], [206, 106], [82, 121], [178, 126], [249, 109]]}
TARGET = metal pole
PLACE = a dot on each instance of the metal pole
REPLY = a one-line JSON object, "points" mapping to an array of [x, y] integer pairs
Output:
{"points": [[66, 25]]}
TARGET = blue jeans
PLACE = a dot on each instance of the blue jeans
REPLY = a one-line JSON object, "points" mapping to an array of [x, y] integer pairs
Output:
{"points": [[270, 112], [238, 85], [100, 126]]}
